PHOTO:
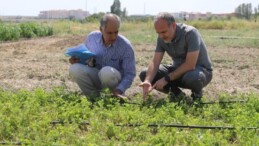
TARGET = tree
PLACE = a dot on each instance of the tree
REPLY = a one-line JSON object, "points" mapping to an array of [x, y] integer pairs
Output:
{"points": [[238, 11], [124, 13], [95, 17], [249, 11], [116, 7], [244, 10], [255, 14]]}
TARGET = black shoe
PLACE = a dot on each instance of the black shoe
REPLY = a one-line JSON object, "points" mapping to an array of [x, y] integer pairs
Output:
{"points": [[197, 96], [176, 97]]}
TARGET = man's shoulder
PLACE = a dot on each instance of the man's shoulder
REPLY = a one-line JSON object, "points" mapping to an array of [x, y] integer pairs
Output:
{"points": [[123, 39], [185, 27], [96, 32], [94, 35]]}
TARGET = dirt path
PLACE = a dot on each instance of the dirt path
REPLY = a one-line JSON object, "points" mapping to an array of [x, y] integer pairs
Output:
{"points": [[41, 63]]}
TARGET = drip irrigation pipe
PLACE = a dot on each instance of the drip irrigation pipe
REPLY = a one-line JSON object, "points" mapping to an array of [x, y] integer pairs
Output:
{"points": [[169, 125], [151, 125], [224, 102], [211, 102], [234, 37]]}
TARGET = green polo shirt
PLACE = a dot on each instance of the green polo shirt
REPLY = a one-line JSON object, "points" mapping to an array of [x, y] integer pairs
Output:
{"points": [[187, 39]]}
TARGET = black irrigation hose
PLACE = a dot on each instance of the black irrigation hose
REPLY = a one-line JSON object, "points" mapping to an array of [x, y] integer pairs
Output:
{"points": [[10, 143], [61, 122], [233, 37], [224, 102], [169, 125], [211, 102], [151, 125], [127, 100], [162, 125], [190, 126]]}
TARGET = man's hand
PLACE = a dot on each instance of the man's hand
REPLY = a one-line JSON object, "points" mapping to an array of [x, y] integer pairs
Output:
{"points": [[73, 60], [147, 87], [118, 93], [159, 85]]}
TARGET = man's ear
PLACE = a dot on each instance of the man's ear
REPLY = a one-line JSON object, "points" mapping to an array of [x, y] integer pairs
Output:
{"points": [[101, 29], [174, 25]]}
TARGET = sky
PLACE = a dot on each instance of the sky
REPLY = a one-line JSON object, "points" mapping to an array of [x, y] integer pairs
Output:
{"points": [[152, 7]]}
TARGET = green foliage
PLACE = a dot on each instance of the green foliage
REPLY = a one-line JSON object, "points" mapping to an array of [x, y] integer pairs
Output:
{"points": [[244, 10], [62, 118], [219, 24], [116, 8], [95, 18], [9, 32], [23, 30], [142, 31], [242, 38], [30, 30]]}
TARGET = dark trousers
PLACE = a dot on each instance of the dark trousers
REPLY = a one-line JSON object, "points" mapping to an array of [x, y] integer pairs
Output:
{"points": [[194, 80]]}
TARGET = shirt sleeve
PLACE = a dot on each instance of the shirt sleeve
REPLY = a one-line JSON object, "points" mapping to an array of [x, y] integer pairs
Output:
{"points": [[193, 40], [160, 45], [129, 69]]}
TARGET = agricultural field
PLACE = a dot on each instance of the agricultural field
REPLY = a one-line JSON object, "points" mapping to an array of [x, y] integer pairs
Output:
{"points": [[41, 105]]}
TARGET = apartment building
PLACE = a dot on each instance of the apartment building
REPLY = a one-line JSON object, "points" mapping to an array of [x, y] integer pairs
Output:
{"points": [[63, 14]]}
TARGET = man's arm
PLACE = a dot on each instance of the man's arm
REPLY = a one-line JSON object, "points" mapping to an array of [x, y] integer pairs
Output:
{"points": [[129, 70], [153, 66], [151, 72], [189, 64]]}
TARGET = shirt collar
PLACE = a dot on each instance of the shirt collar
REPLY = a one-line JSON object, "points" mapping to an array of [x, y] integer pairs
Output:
{"points": [[178, 34], [101, 42]]}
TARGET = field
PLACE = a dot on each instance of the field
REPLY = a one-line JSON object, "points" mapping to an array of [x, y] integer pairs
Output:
{"points": [[40, 62], [36, 63]]}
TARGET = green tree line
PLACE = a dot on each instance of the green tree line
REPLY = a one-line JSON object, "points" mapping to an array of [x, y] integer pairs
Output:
{"points": [[246, 11]]}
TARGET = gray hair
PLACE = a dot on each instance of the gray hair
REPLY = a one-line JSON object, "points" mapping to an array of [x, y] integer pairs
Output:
{"points": [[109, 17], [165, 16]]}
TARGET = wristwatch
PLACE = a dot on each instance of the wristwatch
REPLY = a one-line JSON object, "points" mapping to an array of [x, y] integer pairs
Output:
{"points": [[167, 78]]}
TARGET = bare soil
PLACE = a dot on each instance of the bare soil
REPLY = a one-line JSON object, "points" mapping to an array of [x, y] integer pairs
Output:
{"points": [[40, 62]]}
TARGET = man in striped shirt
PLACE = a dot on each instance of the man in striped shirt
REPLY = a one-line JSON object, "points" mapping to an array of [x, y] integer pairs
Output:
{"points": [[111, 49]]}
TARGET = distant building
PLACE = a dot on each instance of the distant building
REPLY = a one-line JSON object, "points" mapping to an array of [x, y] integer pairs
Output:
{"points": [[63, 14], [198, 15]]}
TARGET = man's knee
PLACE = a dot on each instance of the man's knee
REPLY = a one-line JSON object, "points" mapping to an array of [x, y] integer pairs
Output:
{"points": [[75, 70], [194, 80], [109, 77], [78, 71]]}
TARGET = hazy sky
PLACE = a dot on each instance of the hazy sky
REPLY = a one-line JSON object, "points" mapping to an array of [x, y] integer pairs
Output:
{"points": [[33, 7]]}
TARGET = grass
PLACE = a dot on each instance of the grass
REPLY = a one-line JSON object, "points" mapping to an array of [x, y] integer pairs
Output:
{"points": [[144, 33], [233, 38], [26, 117]]}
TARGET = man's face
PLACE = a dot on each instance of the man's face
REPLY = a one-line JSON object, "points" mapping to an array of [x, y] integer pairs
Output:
{"points": [[165, 31], [110, 32]]}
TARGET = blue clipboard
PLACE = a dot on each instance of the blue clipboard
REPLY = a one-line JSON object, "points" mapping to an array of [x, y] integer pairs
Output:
{"points": [[81, 52]]}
